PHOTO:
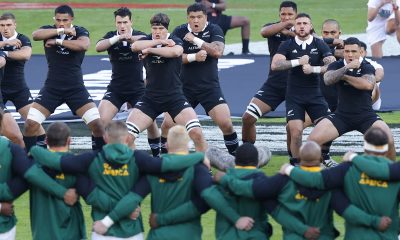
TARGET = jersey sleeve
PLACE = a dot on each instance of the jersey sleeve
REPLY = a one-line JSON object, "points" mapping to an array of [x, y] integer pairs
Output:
{"points": [[177, 32], [217, 34], [185, 212], [47, 27], [324, 48], [341, 204], [378, 170], [20, 161], [284, 48], [283, 216], [69, 163], [81, 32], [13, 188], [107, 36], [334, 66], [368, 69], [204, 187], [326, 179], [25, 41], [177, 40]]}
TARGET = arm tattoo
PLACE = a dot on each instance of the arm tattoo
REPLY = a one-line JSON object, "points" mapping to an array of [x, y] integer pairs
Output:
{"points": [[327, 60], [370, 78], [215, 49], [334, 76], [281, 65]]}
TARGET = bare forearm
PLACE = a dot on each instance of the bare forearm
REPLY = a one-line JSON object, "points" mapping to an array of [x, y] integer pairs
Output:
{"points": [[168, 52], [281, 65], [327, 61], [23, 54], [366, 82], [103, 45], [214, 49], [44, 34], [372, 13], [334, 76], [78, 45], [140, 45], [379, 74], [273, 29]]}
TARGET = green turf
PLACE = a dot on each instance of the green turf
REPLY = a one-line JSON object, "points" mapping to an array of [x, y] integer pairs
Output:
{"points": [[351, 14]]}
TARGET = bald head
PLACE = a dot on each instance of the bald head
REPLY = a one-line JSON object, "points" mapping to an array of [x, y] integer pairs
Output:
{"points": [[310, 154]]}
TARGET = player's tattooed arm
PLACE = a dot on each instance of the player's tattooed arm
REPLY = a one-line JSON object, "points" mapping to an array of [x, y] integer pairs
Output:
{"points": [[365, 82], [327, 60], [214, 49], [279, 63], [333, 76]]}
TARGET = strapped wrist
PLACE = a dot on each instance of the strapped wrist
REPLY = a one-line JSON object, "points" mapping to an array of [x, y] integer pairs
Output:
{"points": [[199, 42], [113, 40], [59, 42], [295, 62], [316, 69], [60, 31], [191, 57]]}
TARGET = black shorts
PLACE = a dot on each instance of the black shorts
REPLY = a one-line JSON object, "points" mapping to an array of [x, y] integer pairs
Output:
{"points": [[315, 106], [208, 98], [348, 122], [75, 98], [19, 98], [221, 20], [118, 99], [271, 95], [172, 104]]}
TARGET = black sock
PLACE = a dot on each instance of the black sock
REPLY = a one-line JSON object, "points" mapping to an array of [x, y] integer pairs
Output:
{"points": [[325, 149], [294, 161], [41, 141], [289, 153], [155, 146], [231, 142], [97, 143], [29, 142], [245, 45], [164, 145], [252, 142]]}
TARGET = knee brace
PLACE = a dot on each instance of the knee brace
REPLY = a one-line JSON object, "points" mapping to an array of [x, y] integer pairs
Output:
{"points": [[36, 115], [194, 123], [133, 129], [254, 110], [91, 115]]}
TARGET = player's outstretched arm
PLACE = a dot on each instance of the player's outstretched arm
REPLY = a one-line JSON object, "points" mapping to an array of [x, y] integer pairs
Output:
{"points": [[377, 169], [365, 82], [44, 33]]}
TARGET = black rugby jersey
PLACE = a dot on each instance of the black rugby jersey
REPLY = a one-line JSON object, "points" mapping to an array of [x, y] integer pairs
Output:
{"points": [[351, 99], [127, 69]]}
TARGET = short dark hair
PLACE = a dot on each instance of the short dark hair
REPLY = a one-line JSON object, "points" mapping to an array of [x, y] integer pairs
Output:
{"points": [[64, 9], [246, 155], [196, 7], [57, 134], [160, 19], [6, 16], [332, 21], [363, 45], [288, 4], [123, 12], [352, 41], [300, 15], [376, 136]]}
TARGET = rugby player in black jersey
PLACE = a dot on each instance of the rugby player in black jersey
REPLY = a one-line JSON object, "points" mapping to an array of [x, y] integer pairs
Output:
{"points": [[162, 56], [203, 44], [127, 85], [306, 57], [65, 45]]}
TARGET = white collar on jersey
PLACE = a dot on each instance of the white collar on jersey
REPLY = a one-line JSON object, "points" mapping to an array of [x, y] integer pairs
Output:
{"points": [[302, 43], [11, 38], [190, 30], [120, 34]]}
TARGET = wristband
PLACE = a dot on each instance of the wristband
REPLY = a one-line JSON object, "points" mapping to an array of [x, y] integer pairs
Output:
{"points": [[213, 5], [113, 40], [288, 170], [60, 31], [316, 69], [59, 42], [6, 53], [295, 62], [198, 41], [0, 206], [191, 57], [107, 221]]}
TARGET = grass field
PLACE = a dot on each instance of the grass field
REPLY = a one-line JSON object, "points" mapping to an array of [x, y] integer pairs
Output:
{"points": [[351, 15]]}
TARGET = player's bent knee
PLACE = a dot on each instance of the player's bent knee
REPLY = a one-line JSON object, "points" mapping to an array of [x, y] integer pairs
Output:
{"points": [[35, 116], [133, 129], [91, 115], [192, 125], [254, 111]]}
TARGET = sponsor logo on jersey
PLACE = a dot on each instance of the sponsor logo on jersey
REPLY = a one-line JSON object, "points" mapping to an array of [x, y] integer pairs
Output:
{"points": [[221, 99], [314, 51], [260, 92], [109, 170], [294, 51], [60, 176], [366, 180], [290, 113]]}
